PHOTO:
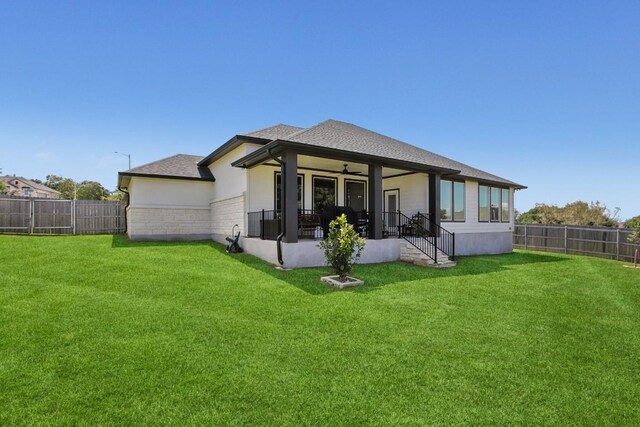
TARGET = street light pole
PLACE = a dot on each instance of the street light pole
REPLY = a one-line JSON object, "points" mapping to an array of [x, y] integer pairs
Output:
{"points": [[126, 155]]}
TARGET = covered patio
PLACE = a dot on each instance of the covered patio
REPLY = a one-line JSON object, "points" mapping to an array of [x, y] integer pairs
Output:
{"points": [[295, 191]]}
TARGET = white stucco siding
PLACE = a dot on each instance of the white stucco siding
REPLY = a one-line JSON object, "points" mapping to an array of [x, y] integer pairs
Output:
{"points": [[413, 191], [169, 209], [261, 190], [231, 181], [156, 192]]}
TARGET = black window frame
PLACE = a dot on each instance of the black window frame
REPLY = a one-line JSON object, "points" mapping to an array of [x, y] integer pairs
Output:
{"points": [[313, 193], [453, 200], [500, 190], [487, 208], [363, 181], [276, 174]]}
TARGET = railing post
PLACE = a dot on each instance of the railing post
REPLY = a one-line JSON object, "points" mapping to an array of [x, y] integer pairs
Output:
{"points": [[435, 245], [453, 246], [262, 225]]}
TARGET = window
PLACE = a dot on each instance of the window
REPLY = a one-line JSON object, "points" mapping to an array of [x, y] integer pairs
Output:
{"points": [[278, 187], [483, 203], [452, 201], [355, 195], [505, 205], [324, 192], [493, 204]]}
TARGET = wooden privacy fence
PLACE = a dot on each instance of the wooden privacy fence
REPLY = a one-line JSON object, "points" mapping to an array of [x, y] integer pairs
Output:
{"points": [[602, 242], [55, 216]]}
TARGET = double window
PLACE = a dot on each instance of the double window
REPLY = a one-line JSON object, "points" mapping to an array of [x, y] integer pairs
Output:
{"points": [[452, 201], [493, 204]]}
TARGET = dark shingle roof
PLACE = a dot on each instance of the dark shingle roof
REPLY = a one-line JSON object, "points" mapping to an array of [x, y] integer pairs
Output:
{"points": [[330, 134], [35, 185], [178, 166], [344, 136], [280, 131]]}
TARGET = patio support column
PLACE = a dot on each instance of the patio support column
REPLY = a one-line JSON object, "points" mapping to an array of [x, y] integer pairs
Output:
{"points": [[375, 201], [434, 197], [289, 196]]}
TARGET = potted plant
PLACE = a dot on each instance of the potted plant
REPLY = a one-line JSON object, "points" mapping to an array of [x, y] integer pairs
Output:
{"points": [[342, 248]]}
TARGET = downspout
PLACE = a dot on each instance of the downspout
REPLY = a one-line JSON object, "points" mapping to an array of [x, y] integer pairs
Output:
{"points": [[281, 235], [126, 208]]}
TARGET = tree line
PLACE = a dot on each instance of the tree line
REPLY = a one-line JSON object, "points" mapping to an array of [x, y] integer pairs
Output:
{"points": [[576, 213], [70, 189]]}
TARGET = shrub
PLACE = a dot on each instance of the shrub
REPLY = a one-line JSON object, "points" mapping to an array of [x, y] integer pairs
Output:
{"points": [[342, 247]]}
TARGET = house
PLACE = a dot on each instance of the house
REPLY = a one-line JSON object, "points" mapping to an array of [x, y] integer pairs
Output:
{"points": [[19, 186], [273, 186]]}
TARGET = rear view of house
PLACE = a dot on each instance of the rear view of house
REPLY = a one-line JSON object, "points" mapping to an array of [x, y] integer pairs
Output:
{"points": [[278, 185]]}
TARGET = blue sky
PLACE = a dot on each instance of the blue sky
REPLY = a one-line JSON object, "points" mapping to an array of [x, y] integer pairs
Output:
{"points": [[543, 93]]}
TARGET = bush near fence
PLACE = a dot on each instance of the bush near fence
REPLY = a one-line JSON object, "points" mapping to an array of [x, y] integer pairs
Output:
{"points": [[604, 242], [58, 216]]}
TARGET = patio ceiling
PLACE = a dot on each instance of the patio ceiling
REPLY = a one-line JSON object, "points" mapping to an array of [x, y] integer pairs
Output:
{"points": [[332, 166]]}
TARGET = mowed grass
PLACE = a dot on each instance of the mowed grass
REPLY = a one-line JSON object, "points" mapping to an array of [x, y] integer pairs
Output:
{"points": [[101, 331]]}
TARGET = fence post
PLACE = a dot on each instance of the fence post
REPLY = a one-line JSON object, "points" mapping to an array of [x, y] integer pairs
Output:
{"points": [[262, 225], [32, 215], [73, 216], [618, 244], [565, 239], [525, 236]]}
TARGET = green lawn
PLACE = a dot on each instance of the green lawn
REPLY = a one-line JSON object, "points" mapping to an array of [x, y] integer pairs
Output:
{"points": [[101, 331]]}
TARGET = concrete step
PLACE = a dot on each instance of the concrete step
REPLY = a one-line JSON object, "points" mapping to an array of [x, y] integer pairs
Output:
{"points": [[409, 253]]}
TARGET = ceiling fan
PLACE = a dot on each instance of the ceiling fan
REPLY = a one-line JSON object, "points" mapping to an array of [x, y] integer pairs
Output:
{"points": [[345, 171]]}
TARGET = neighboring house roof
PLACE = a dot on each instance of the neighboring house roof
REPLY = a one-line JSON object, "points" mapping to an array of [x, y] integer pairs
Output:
{"points": [[180, 166], [28, 182], [348, 139]]}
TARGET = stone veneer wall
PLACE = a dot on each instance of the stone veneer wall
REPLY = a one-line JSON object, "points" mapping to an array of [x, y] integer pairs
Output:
{"points": [[224, 215], [169, 223]]}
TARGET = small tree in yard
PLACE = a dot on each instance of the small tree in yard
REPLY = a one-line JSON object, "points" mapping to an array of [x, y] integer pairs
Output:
{"points": [[342, 247], [634, 238]]}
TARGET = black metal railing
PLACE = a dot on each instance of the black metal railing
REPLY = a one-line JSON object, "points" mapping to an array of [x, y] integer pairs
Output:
{"points": [[419, 229], [445, 240], [265, 224], [411, 230]]}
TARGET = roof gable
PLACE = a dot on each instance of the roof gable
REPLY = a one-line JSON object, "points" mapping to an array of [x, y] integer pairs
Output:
{"points": [[180, 166]]}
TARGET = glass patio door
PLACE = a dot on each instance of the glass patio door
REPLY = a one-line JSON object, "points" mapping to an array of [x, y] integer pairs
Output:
{"points": [[391, 207]]}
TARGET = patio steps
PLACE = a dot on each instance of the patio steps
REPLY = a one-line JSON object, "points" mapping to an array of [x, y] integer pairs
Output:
{"points": [[409, 253]]}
